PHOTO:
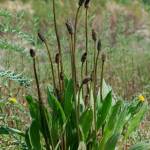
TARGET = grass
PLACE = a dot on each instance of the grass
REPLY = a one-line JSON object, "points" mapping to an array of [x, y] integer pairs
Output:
{"points": [[128, 78]]}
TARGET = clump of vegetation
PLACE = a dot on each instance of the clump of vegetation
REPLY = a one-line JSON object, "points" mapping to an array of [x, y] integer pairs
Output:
{"points": [[79, 112]]}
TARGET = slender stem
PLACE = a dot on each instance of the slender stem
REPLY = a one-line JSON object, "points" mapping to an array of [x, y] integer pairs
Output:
{"points": [[78, 110], [86, 42], [51, 63], [86, 46], [82, 79], [74, 45], [58, 68], [37, 82], [72, 59], [74, 86], [94, 59], [58, 42], [101, 83], [75, 27], [40, 104], [95, 73], [95, 83]]}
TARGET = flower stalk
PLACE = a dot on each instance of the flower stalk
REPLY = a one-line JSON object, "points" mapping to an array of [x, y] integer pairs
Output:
{"points": [[42, 38], [58, 42], [102, 76], [46, 134]]}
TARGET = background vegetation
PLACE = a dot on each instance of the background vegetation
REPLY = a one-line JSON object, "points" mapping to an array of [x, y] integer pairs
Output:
{"points": [[122, 25]]}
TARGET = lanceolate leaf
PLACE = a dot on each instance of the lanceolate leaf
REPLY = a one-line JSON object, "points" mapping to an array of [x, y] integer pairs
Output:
{"points": [[121, 119], [111, 143], [109, 128], [86, 122], [56, 106], [68, 96], [34, 135], [27, 139], [135, 121], [33, 107], [106, 107]]}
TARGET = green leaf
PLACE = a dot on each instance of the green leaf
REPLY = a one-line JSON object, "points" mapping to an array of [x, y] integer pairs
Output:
{"points": [[7, 130], [113, 117], [121, 119], [34, 135], [106, 107], [33, 107], [140, 146], [46, 124], [85, 122], [111, 124], [56, 106], [135, 121], [27, 139], [111, 143], [68, 95]]}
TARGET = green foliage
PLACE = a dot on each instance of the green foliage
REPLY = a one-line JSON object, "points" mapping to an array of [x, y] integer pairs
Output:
{"points": [[64, 122], [19, 78], [68, 96], [105, 108], [85, 127], [8, 130], [10, 46], [111, 143], [140, 146], [34, 136], [56, 123]]}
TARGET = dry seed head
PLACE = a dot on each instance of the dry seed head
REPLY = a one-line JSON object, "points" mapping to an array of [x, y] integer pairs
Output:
{"points": [[83, 58], [57, 58], [103, 57], [32, 53], [81, 2], [99, 45], [69, 27], [86, 80], [94, 36], [86, 4], [41, 37]]}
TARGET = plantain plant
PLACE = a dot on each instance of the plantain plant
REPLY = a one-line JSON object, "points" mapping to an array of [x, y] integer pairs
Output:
{"points": [[70, 120]]}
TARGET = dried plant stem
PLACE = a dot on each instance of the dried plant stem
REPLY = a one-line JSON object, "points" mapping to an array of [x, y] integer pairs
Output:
{"points": [[74, 44], [95, 73], [37, 81], [94, 93], [58, 70], [74, 85], [51, 63], [101, 82], [73, 62], [86, 46], [94, 58], [82, 67], [86, 36], [40, 104], [58, 42], [75, 27]]}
